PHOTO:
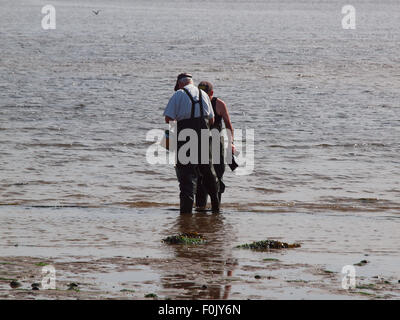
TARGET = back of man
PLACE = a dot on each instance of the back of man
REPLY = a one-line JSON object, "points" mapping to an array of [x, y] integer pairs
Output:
{"points": [[190, 106], [179, 106]]}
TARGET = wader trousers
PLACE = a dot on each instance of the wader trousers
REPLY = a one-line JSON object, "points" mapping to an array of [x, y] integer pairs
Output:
{"points": [[188, 174], [201, 193]]}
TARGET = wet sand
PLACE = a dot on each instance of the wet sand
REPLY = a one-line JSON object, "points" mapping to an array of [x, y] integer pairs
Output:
{"points": [[118, 253]]}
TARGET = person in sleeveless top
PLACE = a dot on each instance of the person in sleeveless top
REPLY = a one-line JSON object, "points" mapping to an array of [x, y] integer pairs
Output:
{"points": [[220, 113], [190, 107]]}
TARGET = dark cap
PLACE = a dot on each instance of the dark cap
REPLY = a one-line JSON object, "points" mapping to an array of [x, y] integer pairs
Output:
{"points": [[206, 86], [181, 76]]}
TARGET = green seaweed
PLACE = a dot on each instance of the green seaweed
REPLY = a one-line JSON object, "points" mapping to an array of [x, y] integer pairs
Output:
{"points": [[41, 264], [150, 295], [271, 259], [7, 279], [365, 293], [366, 286], [127, 290], [328, 271], [185, 238], [268, 244]]}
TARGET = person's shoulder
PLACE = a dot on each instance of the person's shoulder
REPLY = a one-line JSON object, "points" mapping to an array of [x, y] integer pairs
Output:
{"points": [[193, 90], [177, 94], [220, 107], [218, 99], [220, 102]]}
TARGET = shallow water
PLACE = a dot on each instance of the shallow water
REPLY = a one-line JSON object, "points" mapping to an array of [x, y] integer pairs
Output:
{"points": [[76, 102]]}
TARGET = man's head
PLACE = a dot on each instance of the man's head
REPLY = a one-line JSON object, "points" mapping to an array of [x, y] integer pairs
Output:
{"points": [[207, 87], [183, 80]]}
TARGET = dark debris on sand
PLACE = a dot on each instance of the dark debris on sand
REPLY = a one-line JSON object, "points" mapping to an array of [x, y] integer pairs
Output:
{"points": [[361, 263], [268, 244], [185, 238]]}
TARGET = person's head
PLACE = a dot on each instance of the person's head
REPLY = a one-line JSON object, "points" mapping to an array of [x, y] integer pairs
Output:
{"points": [[183, 80], [207, 87]]}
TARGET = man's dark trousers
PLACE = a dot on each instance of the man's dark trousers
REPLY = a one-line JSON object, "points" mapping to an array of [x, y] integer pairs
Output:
{"points": [[187, 177]]}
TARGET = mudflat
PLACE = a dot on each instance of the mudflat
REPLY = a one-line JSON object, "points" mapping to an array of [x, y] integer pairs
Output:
{"points": [[118, 253]]}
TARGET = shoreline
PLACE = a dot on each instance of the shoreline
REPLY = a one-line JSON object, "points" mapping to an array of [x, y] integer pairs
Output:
{"points": [[118, 253]]}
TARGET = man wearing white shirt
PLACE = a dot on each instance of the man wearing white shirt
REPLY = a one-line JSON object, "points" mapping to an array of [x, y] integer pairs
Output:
{"points": [[190, 106]]}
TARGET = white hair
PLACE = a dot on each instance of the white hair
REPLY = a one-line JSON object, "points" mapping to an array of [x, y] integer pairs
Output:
{"points": [[185, 80]]}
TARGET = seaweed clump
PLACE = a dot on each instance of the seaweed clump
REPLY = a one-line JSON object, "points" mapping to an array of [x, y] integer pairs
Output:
{"points": [[268, 244], [185, 238]]}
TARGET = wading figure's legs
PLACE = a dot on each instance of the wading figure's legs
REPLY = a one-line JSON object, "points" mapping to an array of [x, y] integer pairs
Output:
{"points": [[201, 194], [187, 177], [210, 183], [202, 191], [220, 170]]}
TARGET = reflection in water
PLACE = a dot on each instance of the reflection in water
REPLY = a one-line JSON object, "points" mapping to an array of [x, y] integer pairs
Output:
{"points": [[202, 270]]}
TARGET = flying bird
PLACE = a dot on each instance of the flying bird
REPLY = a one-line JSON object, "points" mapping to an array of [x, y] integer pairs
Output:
{"points": [[96, 12]]}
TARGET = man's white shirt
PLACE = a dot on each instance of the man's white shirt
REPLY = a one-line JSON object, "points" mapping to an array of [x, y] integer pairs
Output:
{"points": [[179, 107]]}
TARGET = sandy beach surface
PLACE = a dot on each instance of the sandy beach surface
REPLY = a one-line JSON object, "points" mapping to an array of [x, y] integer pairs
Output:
{"points": [[118, 253]]}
